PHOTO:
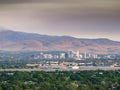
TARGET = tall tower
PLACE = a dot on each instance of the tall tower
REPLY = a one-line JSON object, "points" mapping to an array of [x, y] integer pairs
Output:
{"points": [[85, 55]]}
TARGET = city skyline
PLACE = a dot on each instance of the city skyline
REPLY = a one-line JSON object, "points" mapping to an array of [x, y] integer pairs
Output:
{"points": [[78, 18]]}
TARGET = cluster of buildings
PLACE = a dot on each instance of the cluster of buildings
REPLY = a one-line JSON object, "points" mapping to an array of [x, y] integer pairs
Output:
{"points": [[63, 66], [77, 55], [55, 65], [50, 56], [87, 59]]}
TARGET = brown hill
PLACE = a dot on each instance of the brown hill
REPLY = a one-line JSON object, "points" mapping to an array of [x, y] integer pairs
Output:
{"points": [[19, 41]]}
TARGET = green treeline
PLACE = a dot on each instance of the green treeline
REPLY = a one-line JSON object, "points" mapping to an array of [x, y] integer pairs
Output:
{"points": [[72, 80]]}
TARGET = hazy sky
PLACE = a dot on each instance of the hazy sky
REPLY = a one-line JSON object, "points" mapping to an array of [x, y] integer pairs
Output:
{"points": [[78, 18]]}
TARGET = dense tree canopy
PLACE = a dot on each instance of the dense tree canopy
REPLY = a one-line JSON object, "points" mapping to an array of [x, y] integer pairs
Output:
{"points": [[80, 80]]}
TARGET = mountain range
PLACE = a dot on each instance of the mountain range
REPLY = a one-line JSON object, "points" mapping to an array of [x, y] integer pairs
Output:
{"points": [[20, 41]]}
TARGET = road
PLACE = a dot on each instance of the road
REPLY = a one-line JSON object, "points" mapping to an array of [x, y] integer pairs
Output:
{"points": [[81, 68]]}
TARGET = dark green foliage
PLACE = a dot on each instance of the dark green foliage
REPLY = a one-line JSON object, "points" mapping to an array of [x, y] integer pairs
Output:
{"points": [[81, 80]]}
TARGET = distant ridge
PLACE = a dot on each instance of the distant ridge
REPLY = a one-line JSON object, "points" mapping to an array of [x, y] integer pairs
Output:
{"points": [[20, 41]]}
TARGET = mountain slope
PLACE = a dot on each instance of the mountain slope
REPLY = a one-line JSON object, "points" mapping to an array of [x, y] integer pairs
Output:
{"points": [[19, 41]]}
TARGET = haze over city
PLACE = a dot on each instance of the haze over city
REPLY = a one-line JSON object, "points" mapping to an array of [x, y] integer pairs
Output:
{"points": [[78, 18]]}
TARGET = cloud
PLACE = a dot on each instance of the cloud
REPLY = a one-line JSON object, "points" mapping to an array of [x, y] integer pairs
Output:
{"points": [[62, 17]]}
